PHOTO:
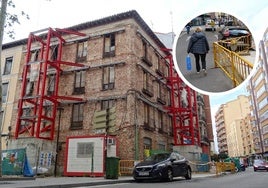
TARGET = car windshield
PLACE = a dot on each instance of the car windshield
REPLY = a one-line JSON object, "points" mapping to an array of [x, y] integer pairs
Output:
{"points": [[259, 162], [158, 157]]}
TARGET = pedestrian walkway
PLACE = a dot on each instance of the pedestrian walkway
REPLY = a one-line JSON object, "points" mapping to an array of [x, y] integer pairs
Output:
{"points": [[215, 80], [61, 182]]}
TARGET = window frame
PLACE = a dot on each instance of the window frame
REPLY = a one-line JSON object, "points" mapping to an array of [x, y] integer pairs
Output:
{"points": [[5, 91], [108, 77], [8, 65], [77, 117], [79, 82], [81, 54], [106, 104], [109, 45]]}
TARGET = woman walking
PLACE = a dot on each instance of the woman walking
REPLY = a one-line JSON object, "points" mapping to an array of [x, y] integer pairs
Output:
{"points": [[198, 45]]}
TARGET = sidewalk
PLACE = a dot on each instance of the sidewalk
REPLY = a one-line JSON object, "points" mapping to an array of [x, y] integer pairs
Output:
{"points": [[215, 81], [62, 182]]}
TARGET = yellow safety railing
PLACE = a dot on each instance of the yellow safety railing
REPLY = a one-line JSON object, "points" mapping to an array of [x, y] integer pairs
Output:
{"points": [[240, 45], [224, 167], [232, 64], [126, 167]]}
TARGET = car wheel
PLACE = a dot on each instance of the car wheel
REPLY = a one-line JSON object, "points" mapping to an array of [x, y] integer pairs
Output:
{"points": [[188, 176], [169, 174]]}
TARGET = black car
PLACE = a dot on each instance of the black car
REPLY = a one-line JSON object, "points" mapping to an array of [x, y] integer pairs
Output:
{"points": [[232, 31], [163, 166]]}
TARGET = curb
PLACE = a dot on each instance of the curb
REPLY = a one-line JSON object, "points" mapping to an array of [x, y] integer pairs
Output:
{"points": [[83, 184]]}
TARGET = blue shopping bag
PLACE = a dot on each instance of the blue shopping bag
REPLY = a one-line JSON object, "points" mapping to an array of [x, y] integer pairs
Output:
{"points": [[188, 62]]}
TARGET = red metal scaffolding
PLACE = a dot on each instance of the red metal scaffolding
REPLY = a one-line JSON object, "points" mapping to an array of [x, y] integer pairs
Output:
{"points": [[183, 109], [39, 97]]}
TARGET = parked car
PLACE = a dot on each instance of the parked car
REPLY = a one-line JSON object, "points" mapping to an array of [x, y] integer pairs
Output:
{"points": [[210, 25], [260, 164], [232, 31], [163, 166]]}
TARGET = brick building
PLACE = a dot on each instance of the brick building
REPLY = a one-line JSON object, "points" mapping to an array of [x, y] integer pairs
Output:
{"points": [[123, 67]]}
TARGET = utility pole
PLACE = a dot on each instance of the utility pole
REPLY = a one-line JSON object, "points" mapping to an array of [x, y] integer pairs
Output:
{"points": [[2, 25]]}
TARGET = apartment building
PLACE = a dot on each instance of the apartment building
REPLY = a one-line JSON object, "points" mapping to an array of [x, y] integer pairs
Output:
{"points": [[11, 57], [232, 128], [123, 67], [221, 131], [258, 90]]}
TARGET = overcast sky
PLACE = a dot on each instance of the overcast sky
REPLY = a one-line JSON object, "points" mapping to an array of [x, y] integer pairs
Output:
{"points": [[161, 16]]}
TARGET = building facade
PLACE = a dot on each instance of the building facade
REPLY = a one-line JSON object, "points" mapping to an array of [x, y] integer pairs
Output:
{"points": [[258, 90], [123, 67], [11, 58], [232, 128]]}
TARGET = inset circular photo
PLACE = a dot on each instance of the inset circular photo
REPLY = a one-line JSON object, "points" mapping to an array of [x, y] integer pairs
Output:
{"points": [[215, 52]]}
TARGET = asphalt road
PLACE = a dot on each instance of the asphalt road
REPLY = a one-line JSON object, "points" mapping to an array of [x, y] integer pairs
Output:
{"points": [[247, 179]]}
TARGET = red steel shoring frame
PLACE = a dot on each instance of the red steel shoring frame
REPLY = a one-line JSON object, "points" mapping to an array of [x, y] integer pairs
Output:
{"points": [[176, 110], [38, 107]]}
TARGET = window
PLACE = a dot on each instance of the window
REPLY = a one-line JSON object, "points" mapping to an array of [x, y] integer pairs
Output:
{"points": [[147, 142], [26, 112], [105, 104], [160, 121], [162, 146], [147, 84], [77, 116], [145, 57], [108, 78], [47, 110], [29, 88], [81, 51], [54, 52], [161, 94], [79, 83], [148, 119], [85, 149], [51, 84], [145, 49], [8, 66], [34, 55], [161, 66], [109, 45], [4, 92]]}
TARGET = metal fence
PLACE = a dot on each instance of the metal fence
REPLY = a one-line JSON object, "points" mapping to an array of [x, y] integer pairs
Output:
{"points": [[229, 60]]}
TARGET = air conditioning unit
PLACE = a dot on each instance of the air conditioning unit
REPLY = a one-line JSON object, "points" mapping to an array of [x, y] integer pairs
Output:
{"points": [[110, 141]]}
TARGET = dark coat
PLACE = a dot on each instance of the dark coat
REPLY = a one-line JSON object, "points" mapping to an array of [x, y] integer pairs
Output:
{"points": [[198, 44]]}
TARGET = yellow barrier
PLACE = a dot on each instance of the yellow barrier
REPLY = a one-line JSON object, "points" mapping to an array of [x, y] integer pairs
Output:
{"points": [[126, 167], [240, 45], [232, 64], [224, 167]]}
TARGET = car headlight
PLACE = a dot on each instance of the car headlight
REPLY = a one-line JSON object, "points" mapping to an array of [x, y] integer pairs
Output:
{"points": [[160, 166]]}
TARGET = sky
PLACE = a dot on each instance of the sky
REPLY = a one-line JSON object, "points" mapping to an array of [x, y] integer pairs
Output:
{"points": [[162, 16]]}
